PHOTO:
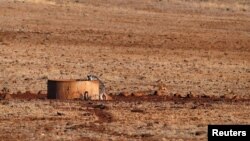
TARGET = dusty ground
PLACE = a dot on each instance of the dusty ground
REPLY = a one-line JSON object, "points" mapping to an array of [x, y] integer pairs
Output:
{"points": [[176, 47], [123, 119]]}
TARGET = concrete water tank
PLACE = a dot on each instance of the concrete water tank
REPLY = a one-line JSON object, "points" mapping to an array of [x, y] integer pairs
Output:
{"points": [[73, 89]]}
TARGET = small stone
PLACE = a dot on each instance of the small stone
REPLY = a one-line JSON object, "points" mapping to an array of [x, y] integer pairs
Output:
{"points": [[198, 133], [60, 114]]}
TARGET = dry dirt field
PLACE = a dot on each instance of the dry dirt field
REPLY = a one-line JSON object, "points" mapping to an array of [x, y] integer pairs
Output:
{"points": [[177, 49]]}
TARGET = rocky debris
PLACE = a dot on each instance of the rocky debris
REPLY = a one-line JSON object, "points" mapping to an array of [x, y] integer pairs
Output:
{"points": [[60, 114], [199, 133], [99, 106]]}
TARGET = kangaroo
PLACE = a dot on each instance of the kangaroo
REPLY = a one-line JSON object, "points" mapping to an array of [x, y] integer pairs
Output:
{"points": [[102, 93]]}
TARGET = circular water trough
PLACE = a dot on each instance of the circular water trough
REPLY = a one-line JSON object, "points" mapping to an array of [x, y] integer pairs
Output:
{"points": [[73, 89]]}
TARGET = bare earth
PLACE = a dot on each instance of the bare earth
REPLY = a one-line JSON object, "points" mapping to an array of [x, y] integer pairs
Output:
{"points": [[175, 48]]}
